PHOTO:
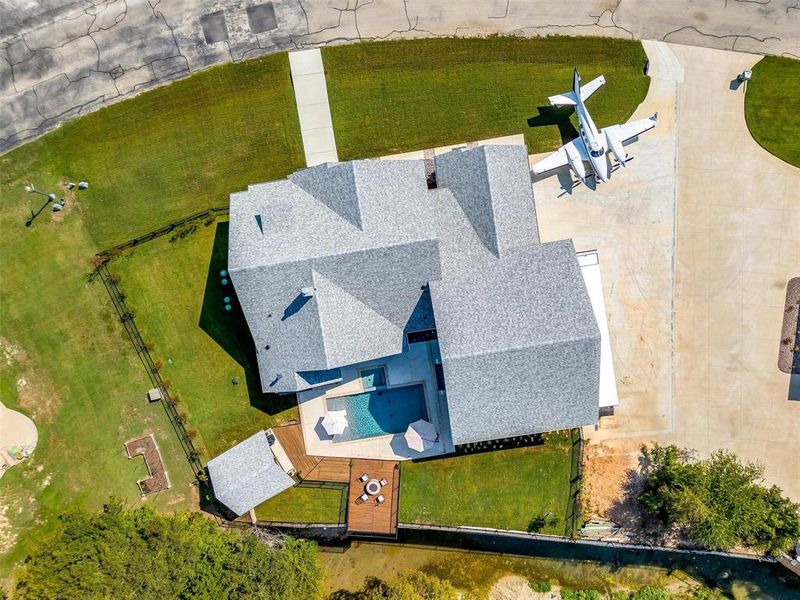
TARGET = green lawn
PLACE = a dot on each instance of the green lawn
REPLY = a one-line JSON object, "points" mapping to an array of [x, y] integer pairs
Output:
{"points": [[175, 293], [390, 97], [149, 160], [772, 107], [504, 489], [68, 365], [303, 505], [175, 150]]}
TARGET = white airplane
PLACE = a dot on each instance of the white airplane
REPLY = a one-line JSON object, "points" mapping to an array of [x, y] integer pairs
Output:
{"points": [[592, 145]]}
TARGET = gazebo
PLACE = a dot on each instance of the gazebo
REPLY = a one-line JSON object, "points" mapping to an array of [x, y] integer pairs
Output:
{"points": [[247, 475]]}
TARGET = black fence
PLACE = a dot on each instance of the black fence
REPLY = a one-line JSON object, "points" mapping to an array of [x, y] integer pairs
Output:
{"points": [[207, 215], [126, 318], [573, 516]]}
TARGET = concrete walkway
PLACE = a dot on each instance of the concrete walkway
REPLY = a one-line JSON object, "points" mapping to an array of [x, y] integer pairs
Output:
{"points": [[313, 110], [62, 58]]}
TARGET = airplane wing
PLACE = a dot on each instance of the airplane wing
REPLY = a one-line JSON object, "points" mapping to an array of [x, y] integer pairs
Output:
{"points": [[565, 99], [591, 87], [559, 158], [628, 131]]}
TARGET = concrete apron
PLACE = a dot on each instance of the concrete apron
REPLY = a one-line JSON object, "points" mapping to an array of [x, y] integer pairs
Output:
{"points": [[697, 239]]}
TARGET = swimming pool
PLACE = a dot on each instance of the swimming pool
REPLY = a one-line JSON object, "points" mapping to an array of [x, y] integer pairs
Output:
{"points": [[380, 412]]}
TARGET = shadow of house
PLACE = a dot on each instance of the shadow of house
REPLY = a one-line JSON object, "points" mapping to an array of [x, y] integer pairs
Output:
{"points": [[229, 328]]}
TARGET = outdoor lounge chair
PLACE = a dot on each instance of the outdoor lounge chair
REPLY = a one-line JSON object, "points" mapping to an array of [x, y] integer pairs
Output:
{"points": [[363, 478], [380, 499], [361, 499], [383, 482]]}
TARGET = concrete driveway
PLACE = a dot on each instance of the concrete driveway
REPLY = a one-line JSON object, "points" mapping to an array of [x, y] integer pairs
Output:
{"points": [[698, 238], [62, 58]]}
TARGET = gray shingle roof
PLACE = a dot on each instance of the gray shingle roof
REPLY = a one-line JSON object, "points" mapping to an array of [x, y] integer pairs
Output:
{"points": [[493, 187], [247, 474], [520, 345], [358, 233]]}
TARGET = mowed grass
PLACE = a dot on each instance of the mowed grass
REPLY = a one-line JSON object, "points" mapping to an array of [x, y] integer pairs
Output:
{"points": [[398, 96], [504, 489], [303, 505], [68, 364], [772, 107], [160, 156], [175, 292], [175, 150]]}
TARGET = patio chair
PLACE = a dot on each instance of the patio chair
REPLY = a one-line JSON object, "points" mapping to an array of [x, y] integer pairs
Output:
{"points": [[380, 499], [383, 482], [363, 478], [361, 499]]}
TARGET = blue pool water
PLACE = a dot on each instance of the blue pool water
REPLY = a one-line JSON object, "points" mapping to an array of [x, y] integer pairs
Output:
{"points": [[380, 412], [372, 378]]}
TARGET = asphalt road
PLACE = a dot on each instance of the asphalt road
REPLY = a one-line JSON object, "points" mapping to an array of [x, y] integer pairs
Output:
{"points": [[62, 58]]}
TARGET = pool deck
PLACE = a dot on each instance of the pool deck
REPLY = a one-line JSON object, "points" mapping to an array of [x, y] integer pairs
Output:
{"points": [[411, 367], [368, 518], [371, 518], [311, 468]]}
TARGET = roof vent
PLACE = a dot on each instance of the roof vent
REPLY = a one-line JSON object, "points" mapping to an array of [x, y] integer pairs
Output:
{"points": [[260, 224], [307, 292]]}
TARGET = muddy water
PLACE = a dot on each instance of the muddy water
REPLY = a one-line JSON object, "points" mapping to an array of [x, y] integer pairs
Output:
{"points": [[477, 571]]}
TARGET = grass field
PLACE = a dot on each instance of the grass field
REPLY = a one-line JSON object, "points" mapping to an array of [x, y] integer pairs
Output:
{"points": [[303, 505], [398, 96], [772, 107], [175, 150], [68, 364], [157, 157], [504, 489], [175, 292]]}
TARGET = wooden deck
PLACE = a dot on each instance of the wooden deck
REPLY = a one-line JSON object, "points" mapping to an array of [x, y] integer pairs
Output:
{"points": [[369, 517], [311, 468]]}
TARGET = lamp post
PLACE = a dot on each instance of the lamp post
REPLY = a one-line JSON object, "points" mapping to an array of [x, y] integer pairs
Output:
{"points": [[32, 190], [50, 198]]}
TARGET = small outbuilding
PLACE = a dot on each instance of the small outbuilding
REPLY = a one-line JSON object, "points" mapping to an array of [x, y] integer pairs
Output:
{"points": [[154, 395], [247, 474]]}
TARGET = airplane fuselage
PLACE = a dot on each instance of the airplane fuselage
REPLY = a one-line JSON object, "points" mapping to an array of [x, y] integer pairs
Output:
{"points": [[593, 142]]}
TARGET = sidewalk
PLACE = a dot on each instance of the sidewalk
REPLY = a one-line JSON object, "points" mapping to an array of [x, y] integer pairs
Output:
{"points": [[313, 110]]}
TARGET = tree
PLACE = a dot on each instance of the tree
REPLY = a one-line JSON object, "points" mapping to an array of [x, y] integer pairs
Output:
{"points": [[650, 592], [412, 585], [142, 554], [721, 501]]}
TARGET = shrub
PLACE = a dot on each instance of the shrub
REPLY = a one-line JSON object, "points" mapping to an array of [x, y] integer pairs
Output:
{"points": [[651, 593], [581, 595], [540, 586], [721, 501]]}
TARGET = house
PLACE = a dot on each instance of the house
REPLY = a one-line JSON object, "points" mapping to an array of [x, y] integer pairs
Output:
{"points": [[369, 293]]}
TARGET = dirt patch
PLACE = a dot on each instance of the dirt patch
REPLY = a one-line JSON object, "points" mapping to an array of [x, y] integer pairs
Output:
{"points": [[34, 392], [606, 473], [514, 587], [790, 337], [69, 201], [158, 480]]}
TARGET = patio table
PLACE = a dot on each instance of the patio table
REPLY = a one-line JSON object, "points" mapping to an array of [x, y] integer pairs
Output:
{"points": [[373, 487]]}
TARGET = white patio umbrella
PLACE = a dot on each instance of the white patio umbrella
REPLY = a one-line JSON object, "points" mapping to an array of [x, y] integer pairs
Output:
{"points": [[335, 422], [421, 435]]}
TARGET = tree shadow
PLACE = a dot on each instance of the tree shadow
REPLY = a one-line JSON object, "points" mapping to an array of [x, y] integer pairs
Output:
{"points": [[558, 116], [229, 328]]}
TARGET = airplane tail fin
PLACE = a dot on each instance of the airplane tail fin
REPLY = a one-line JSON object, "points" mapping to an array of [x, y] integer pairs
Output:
{"points": [[568, 98]]}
